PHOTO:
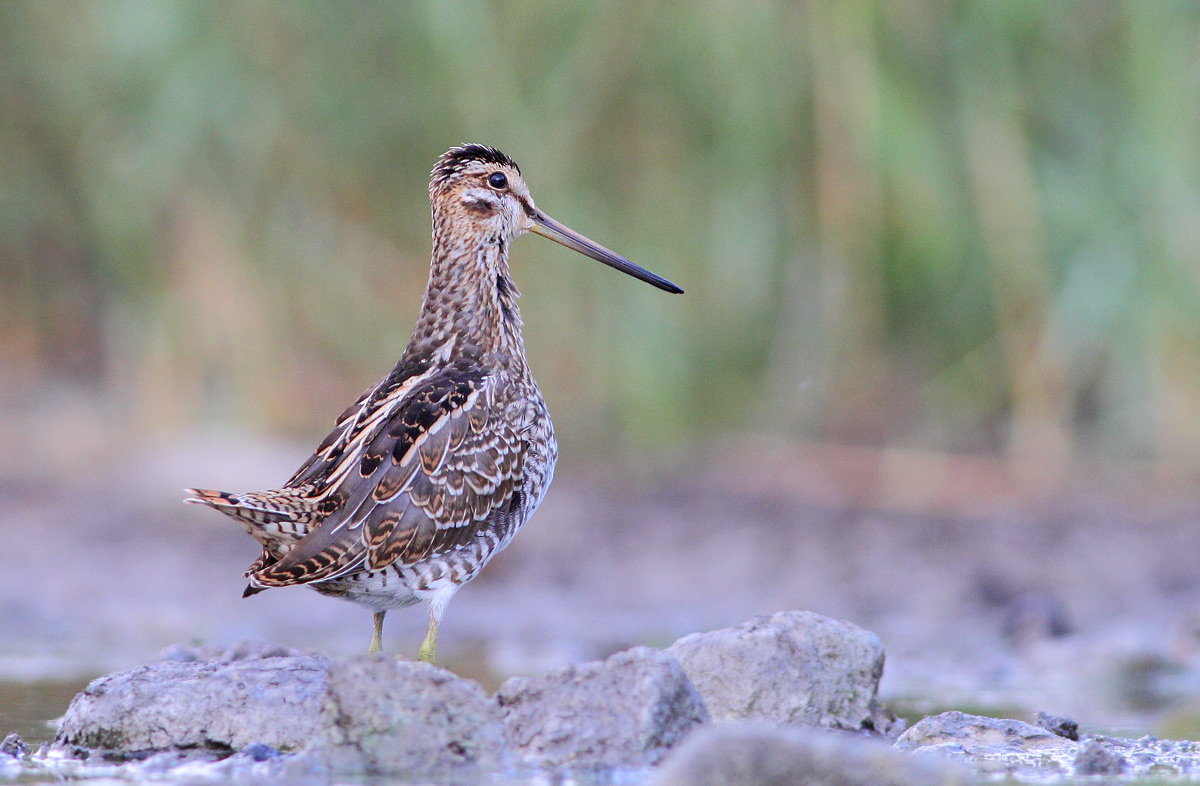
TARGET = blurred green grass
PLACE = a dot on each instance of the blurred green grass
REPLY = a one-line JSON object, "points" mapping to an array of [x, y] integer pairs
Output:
{"points": [[960, 226]]}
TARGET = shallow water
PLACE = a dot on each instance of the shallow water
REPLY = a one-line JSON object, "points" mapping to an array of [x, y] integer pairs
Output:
{"points": [[31, 708], [168, 768]]}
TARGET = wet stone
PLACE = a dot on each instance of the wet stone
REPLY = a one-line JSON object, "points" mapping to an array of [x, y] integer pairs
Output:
{"points": [[976, 735], [384, 715], [259, 752], [792, 668], [758, 754], [1098, 759], [222, 704], [369, 714], [628, 710], [1012, 748], [13, 746], [1055, 724]]}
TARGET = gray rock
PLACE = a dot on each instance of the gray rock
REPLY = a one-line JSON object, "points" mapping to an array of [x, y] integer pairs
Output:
{"points": [[1018, 750], [258, 752], [370, 714], [1056, 724], [1098, 759], [754, 754], [975, 735], [992, 746], [397, 715], [793, 668], [14, 746], [223, 704], [627, 710]]}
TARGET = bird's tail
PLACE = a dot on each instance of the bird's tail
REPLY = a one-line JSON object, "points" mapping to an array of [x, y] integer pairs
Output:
{"points": [[280, 517], [218, 500]]}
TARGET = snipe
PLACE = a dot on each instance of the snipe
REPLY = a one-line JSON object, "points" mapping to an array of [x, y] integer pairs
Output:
{"points": [[435, 468]]}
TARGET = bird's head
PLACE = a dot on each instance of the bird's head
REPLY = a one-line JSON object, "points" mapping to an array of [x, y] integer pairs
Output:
{"points": [[478, 192], [480, 187]]}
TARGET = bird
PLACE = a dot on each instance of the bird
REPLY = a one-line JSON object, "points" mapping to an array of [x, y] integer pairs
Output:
{"points": [[433, 470]]}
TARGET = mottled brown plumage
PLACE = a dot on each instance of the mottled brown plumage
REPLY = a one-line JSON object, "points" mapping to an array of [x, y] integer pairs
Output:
{"points": [[433, 470]]}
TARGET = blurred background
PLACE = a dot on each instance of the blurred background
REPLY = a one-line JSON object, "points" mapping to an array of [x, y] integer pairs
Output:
{"points": [[936, 370]]}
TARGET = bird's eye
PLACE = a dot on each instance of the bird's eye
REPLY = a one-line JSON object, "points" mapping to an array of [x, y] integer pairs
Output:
{"points": [[497, 180]]}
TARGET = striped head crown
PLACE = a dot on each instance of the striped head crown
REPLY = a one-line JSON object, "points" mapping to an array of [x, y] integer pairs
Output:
{"points": [[458, 159]]}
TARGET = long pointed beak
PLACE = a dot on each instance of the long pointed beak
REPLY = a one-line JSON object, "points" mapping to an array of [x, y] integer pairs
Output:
{"points": [[546, 226]]}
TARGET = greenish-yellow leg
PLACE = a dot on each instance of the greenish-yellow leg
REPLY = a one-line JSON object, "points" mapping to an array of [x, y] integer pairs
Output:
{"points": [[377, 639], [429, 645]]}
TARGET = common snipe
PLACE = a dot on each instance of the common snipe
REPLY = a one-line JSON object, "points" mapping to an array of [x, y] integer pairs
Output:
{"points": [[435, 468]]}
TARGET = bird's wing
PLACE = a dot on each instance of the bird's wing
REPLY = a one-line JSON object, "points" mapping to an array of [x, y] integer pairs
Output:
{"points": [[360, 416], [432, 467]]}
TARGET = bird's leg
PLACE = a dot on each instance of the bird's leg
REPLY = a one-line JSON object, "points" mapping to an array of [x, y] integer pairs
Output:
{"points": [[437, 606], [429, 645], [377, 639]]}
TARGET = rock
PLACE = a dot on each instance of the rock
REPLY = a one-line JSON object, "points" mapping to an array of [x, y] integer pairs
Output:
{"points": [[370, 714], [222, 704], [399, 715], [884, 723], [754, 754], [1097, 759], [1063, 727], [258, 752], [14, 746], [627, 710], [976, 735], [1024, 752], [793, 668], [993, 746]]}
